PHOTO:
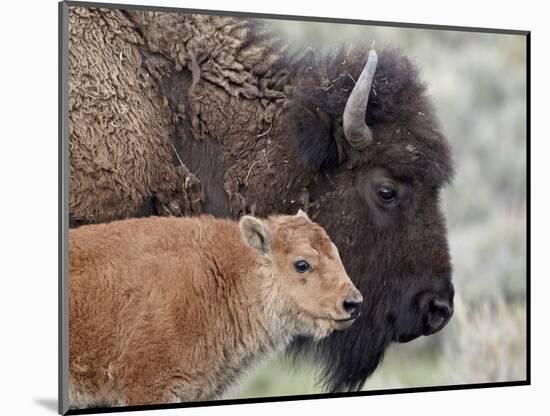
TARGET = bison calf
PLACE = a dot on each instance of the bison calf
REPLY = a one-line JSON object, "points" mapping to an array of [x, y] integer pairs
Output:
{"points": [[174, 309]]}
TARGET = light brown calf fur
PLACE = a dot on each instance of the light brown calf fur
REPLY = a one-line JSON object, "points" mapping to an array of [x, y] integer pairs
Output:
{"points": [[174, 309]]}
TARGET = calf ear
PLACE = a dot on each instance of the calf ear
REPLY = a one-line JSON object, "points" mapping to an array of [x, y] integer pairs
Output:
{"points": [[302, 214], [256, 234]]}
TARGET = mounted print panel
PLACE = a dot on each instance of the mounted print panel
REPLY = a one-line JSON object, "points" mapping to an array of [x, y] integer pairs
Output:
{"points": [[267, 208]]}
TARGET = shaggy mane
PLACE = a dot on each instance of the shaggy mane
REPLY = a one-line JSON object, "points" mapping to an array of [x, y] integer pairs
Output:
{"points": [[397, 98]]}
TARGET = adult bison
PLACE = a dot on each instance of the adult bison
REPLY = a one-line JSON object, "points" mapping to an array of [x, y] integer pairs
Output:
{"points": [[175, 114]]}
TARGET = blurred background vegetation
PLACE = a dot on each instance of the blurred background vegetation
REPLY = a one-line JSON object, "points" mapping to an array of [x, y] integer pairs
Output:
{"points": [[478, 84]]}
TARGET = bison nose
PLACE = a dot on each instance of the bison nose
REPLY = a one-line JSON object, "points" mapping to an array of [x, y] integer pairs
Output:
{"points": [[353, 307], [437, 314]]}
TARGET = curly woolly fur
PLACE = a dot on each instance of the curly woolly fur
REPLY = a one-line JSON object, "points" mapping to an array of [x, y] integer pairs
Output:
{"points": [[261, 130], [230, 117], [120, 153]]}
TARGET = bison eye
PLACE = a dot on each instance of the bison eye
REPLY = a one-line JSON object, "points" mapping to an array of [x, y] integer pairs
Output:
{"points": [[301, 266], [386, 193]]}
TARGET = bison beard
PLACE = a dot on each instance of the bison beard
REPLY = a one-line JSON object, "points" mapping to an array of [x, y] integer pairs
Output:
{"points": [[274, 123]]}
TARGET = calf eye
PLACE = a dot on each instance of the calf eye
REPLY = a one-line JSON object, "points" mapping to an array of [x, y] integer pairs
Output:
{"points": [[386, 193], [301, 266]]}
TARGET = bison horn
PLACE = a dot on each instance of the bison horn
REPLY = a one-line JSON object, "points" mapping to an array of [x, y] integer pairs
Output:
{"points": [[357, 132]]}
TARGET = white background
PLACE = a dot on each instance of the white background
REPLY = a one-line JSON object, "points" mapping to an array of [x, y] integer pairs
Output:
{"points": [[28, 206]]}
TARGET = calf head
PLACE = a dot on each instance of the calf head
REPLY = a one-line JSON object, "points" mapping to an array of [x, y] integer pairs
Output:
{"points": [[308, 277]]}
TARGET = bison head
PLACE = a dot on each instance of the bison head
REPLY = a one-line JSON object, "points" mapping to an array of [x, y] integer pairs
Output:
{"points": [[369, 132]]}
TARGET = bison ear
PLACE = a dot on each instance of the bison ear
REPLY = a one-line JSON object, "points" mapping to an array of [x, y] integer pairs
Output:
{"points": [[256, 234], [312, 133], [302, 214]]}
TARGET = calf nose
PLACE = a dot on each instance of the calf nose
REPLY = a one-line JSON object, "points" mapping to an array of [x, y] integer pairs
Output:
{"points": [[353, 307], [438, 312]]}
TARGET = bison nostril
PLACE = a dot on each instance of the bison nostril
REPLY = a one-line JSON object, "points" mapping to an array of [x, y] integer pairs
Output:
{"points": [[439, 313], [351, 306]]}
